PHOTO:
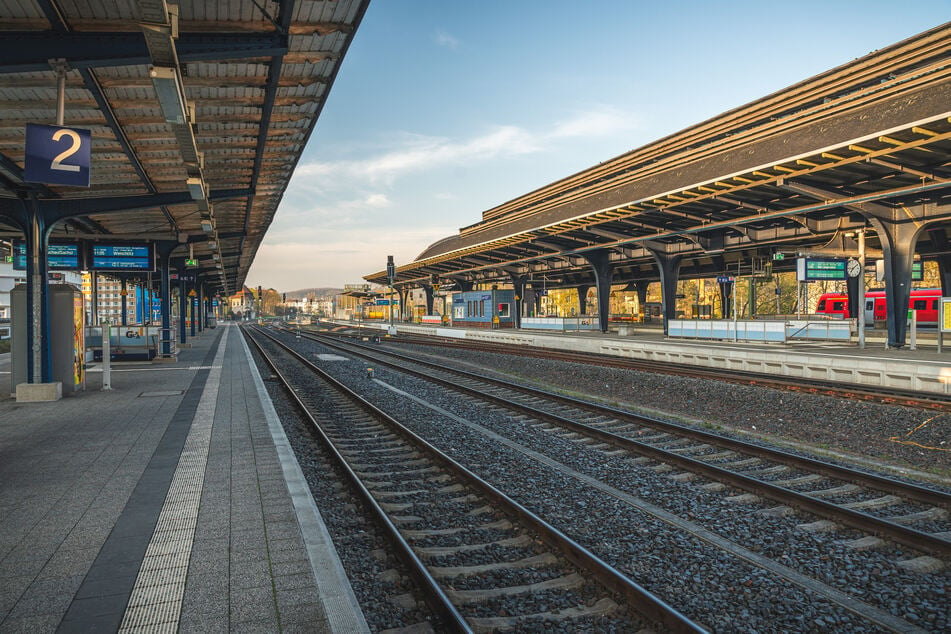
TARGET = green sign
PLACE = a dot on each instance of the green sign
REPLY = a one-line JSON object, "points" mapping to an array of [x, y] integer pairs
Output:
{"points": [[191, 262], [779, 256], [819, 269]]}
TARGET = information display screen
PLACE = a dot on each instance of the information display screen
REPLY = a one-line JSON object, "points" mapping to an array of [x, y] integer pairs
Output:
{"points": [[60, 256], [820, 269], [945, 321], [121, 257]]}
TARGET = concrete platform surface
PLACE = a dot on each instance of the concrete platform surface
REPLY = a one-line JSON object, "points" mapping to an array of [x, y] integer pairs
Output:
{"points": [[170, 503], [923, 369]]}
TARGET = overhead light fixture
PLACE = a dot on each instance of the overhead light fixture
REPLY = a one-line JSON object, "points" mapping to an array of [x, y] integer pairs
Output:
{"points": [[196, 187], [171, 96], [212, 245], [215, 257], [206, 226]]}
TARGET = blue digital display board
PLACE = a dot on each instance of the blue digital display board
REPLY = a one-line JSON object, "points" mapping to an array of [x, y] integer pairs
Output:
{"points": [[121, 257], [60, 256]]}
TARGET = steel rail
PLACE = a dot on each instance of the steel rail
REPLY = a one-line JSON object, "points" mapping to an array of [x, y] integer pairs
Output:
{"points": [[862, 521], [640, 599], [435, 596]]}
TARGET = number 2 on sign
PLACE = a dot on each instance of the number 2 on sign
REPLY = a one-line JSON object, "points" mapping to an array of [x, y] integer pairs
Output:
{"points": [[65, 154]]}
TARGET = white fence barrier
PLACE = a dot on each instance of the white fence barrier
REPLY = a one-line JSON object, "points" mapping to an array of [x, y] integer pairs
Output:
{"points": [[760, 330]]}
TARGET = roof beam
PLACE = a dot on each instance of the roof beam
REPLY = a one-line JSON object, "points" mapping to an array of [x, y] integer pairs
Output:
{"points": [[30, 51]]}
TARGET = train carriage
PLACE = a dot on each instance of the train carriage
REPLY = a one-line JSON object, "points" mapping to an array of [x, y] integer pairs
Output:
{"points": [[924, 301]]}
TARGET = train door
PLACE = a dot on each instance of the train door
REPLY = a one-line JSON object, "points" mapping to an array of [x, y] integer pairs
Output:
{"points": [[869, 310]]}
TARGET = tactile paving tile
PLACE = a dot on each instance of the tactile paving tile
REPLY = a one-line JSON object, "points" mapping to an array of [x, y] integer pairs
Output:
{"points": [[156, 602]]}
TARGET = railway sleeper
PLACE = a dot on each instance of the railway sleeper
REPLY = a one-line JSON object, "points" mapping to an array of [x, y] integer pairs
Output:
{"points": [[387, 474], [499, 525], [922, 565], [769, 471], [743, 498], [691, 449], [566, 582], [396, 494], [869, 542], [496, 623], [685, 476], [536, 561], [933, 513], [651, 437], [874, 503], [820, 526], [723, 455], [441, 551], [740, 464], [845, 489], [805, 479], [396, 447], [470, 497], [777, 511]]}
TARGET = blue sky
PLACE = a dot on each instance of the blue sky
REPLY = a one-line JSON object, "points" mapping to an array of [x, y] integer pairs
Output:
{"points": [[446, 108]]}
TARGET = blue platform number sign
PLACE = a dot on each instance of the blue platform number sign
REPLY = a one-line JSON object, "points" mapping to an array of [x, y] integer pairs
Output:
{"points": [[57, 155]]}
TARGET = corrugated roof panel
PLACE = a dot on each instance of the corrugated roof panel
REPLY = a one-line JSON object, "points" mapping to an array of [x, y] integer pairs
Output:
{"points": [[20, 10], [145, 154]]}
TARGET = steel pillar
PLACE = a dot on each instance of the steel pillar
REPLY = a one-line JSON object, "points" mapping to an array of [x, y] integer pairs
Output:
{"points": [[518, 283], [603, 273], [852, 288], [403, 294], [36, 231], [182, 306], [429, 298], [164, 249], [641, 289], [898, 241], [124, 320], [669, 268], [726, 299], [583, 298]]}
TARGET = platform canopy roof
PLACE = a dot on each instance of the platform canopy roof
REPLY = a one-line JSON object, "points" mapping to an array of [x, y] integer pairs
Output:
{"points": [[788, 173], [199, 112]]}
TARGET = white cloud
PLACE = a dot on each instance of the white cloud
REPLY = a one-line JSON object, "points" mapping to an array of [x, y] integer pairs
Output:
{"points": [[377, 200], [340, 217], [442, 38], [596, 121], [338, 257], [418, 154]]}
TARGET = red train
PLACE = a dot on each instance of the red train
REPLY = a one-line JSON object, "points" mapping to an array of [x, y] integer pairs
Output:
{"points": [[924, 301]]}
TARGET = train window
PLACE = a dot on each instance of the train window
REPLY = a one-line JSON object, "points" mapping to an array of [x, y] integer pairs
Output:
{"points": [[920, 304], [934, 304], [870, 304], [838, 305], [822, 306]]}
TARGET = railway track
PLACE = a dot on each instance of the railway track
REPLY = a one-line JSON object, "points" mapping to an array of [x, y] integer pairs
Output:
{"points": [[880, 507], [483, 561], [857, 392]]}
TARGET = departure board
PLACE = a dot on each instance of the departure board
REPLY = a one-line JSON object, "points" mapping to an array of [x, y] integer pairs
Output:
{"points": [[122, 257], [821, 269], [60, 256]]}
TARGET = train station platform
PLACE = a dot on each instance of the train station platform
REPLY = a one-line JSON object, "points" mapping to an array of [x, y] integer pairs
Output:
{"points": [[923, 369], [170, 503]]}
